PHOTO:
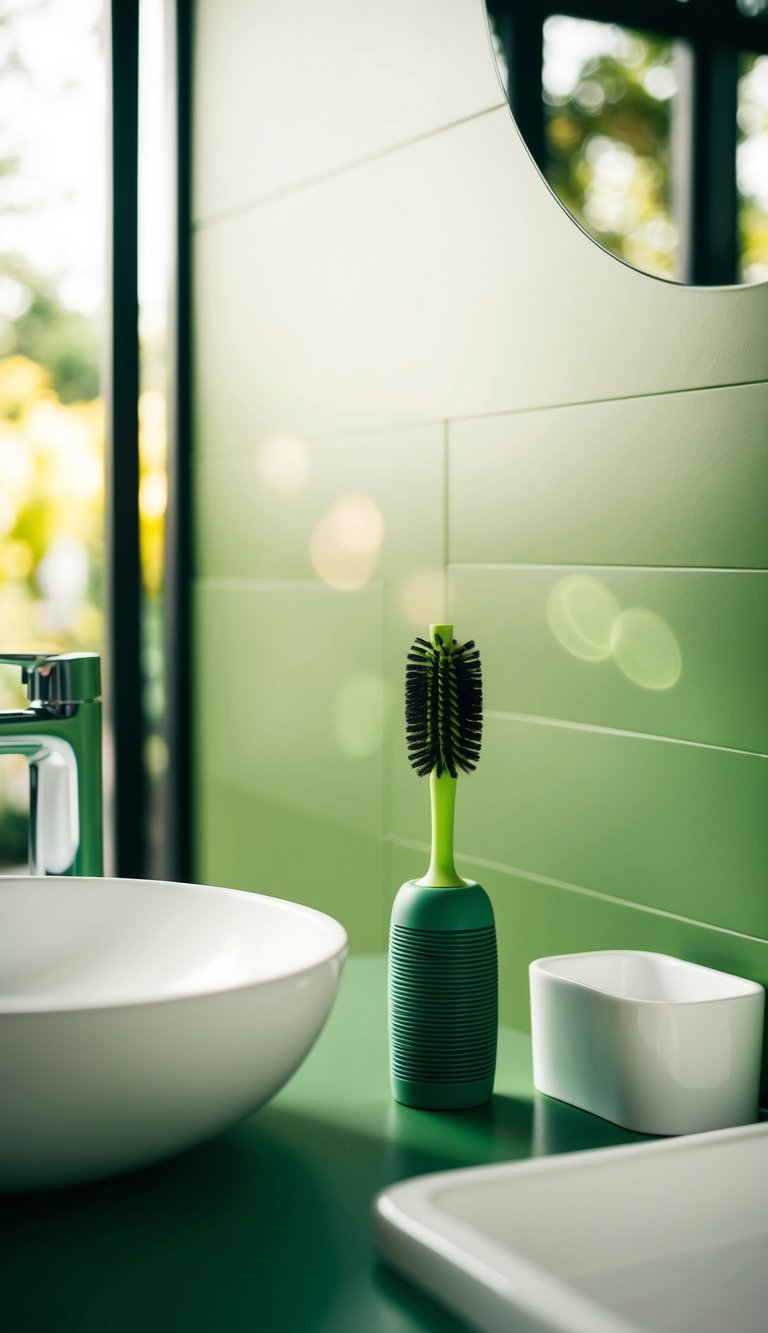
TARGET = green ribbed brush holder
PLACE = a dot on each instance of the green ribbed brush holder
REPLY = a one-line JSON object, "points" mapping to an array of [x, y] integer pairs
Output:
{"points": [[443, 996]]}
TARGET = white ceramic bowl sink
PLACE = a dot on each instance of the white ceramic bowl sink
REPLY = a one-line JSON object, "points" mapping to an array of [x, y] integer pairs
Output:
{"points": [[140, 1017]]}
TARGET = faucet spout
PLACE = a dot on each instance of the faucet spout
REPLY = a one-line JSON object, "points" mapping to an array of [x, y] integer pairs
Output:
{"points": [[60, 736]]}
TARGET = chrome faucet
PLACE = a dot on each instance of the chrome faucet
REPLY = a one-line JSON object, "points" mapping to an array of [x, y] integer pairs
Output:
{"points": [[60, 736]]}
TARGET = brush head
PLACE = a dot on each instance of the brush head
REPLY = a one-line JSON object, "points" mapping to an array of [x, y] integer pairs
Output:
{"points": [[443, 706]]}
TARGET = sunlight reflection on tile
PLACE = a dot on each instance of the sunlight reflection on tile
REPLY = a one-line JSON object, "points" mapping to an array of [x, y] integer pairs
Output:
{"points": [[581, 614], [646, 650]]}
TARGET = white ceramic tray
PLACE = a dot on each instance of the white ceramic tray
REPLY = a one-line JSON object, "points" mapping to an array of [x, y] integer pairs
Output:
{"points": [[653, 1043], [665, 1237]]}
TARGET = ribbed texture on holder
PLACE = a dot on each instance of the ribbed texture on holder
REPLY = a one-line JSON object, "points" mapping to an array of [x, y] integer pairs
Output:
{"points": [[443, 1004]]}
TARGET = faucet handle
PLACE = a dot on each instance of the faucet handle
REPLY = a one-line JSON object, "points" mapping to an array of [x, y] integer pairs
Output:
{"points": [[58, 678]]}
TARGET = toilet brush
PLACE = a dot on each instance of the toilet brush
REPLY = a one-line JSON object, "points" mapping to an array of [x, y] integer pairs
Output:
{"points": [[443, 972]]}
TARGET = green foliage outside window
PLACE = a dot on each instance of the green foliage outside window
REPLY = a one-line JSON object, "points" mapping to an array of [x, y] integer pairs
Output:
{"points": [[51, 517]]}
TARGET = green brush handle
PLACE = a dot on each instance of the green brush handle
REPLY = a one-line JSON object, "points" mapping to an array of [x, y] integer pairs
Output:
{"points": [[445, 632], [442, 873]]}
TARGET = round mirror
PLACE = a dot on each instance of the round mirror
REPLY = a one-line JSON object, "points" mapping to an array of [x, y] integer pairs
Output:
{"points": [[649, 121]]}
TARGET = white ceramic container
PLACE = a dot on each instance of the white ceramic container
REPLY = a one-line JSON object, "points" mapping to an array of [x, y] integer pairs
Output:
{"points": [[663, 1237], [139, 1017], [651, 1042]]}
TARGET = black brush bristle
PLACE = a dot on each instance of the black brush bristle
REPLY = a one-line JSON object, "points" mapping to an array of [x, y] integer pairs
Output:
{"points": [[443, 707]]}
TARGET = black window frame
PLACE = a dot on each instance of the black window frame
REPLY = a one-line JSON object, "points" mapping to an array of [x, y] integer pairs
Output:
{"points": [[127, 822]]}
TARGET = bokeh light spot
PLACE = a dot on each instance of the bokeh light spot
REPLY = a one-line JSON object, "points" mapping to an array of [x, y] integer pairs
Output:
{"points": [[359, 714], [283, 461], [16, 559], [357, 523], [8, 514], [153, 427], [156, 755], [423, 599], [62, 576], [153, 495], [646, 650], [581, 614], [344, 570]]}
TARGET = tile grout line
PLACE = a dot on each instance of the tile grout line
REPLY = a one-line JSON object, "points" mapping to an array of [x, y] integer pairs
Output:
{"points": [[485, 566], [202, 455], [614, 398], [412, 844], [321, 178], [471, 567], [244, 583], [538, 719]]}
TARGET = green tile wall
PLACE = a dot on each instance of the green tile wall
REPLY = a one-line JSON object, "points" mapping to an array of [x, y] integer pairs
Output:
{"points": [[289, 802], [692, 647], [672, 479], [663, 824], [568, 456]]}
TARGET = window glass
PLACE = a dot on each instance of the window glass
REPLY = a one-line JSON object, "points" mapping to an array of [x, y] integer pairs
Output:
{"points": [[52, 183], [154, 214]]}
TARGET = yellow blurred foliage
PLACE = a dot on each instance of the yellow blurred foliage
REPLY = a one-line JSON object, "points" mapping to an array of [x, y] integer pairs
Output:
{"points": [[52, 509], [22, 382], [153, 489]]}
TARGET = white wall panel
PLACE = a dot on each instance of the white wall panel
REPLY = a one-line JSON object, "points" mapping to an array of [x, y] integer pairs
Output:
{"points": [[293, 90], [251, 527], [437, 282]]}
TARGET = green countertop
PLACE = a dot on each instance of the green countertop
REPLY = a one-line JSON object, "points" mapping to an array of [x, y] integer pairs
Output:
{"points": [[266, 1229]]}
